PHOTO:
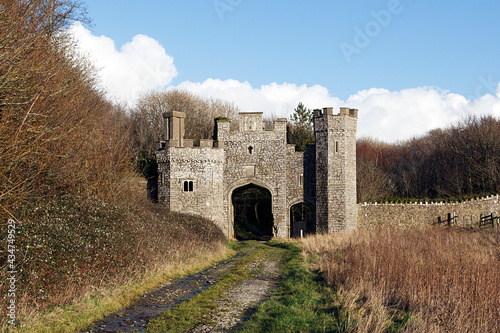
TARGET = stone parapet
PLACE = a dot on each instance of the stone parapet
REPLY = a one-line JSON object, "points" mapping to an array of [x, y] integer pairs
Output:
{"points": [[421, 214]]}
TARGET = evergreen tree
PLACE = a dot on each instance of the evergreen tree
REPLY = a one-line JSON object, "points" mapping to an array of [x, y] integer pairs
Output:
{"points": [[300, 128]]}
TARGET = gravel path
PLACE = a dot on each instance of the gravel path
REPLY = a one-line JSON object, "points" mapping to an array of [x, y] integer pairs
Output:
{"points": [[233, 307], [136, 317], [240, 302]]}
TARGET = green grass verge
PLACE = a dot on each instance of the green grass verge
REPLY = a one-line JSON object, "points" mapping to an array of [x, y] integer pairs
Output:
{"points": [[301, 303]]}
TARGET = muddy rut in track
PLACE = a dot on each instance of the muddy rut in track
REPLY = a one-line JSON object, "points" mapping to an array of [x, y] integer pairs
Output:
{"points": [[231, 309]]}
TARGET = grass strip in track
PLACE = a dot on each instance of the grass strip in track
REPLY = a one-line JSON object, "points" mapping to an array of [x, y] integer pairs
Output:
{"points": [[301, 303], [189, 313], [304, 302]]}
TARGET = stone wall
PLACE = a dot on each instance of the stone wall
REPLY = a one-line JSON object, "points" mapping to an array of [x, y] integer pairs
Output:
{"points": [[256, 156], [411, 215], [201, 166], [295, 176]]}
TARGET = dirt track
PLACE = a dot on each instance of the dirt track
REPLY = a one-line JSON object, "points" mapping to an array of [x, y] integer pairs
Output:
{"points": [[232, 308]]}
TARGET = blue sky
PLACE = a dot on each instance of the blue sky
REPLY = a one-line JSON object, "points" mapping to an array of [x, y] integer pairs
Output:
{"points": [[424, 63]]}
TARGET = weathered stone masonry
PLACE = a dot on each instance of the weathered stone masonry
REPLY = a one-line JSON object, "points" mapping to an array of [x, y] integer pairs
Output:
{"points": [[201, 180], [422, 214]]}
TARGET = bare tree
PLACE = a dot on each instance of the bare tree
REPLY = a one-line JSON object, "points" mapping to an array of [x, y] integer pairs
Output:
{"points": [[372, 181], [50, 110], [148, 125]]}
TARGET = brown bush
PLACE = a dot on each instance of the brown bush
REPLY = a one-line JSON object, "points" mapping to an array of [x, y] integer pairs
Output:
{"points": [[56, 129]]}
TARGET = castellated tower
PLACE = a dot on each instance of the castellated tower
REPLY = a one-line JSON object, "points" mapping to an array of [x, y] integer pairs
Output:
{"points": [[336, 208]]}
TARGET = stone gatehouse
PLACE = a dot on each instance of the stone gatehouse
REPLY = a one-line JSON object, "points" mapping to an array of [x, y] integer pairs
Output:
{"points": [[201, 180]]}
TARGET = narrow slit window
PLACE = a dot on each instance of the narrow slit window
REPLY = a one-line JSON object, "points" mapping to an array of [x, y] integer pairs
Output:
{"points": [[336, 146], [301, 179]]}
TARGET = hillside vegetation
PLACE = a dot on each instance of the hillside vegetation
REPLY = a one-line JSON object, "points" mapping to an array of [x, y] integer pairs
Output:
{"points": [[83, 223], [460, 161]]}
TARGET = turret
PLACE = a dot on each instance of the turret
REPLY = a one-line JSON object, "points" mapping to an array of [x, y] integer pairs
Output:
{"points": [[335, 135]]}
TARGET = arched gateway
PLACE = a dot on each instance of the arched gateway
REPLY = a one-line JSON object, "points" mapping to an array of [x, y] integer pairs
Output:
{"points": [[252, 214], [207, 180]]}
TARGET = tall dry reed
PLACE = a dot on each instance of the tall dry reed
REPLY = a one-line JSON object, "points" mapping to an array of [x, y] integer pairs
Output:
{"points": [[447, 278]]}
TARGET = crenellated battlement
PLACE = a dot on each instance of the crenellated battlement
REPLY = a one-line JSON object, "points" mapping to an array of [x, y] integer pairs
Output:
{"points": [[344, 111], [249, 122]]}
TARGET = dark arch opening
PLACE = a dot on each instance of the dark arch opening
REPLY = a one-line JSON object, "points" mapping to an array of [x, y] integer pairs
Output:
{"points": [[253, 213], [301, 218]]}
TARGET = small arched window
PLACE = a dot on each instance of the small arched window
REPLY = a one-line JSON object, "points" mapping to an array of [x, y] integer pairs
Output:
{"points": [[250, 150], [188, 186]]}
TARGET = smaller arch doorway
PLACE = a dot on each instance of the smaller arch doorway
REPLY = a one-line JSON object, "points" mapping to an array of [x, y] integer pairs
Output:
{"points": [[301, 219], [252, 212]]}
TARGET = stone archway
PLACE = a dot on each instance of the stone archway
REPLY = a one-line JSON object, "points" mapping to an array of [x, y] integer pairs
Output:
{"points": [[252, 212], [301, 218]]}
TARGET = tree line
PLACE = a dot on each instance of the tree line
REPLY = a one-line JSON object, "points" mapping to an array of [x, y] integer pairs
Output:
{"points": [[460, 161], [456, 162]]}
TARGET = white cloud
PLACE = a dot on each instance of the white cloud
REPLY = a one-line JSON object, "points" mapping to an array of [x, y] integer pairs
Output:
{"points": [[138, 66], [142, 64], [273, 99], [398, 115], [383, 114]]}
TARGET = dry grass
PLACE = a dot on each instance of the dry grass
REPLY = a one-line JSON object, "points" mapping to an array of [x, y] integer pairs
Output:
{"points": [[446, 279], [97, 302]]}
